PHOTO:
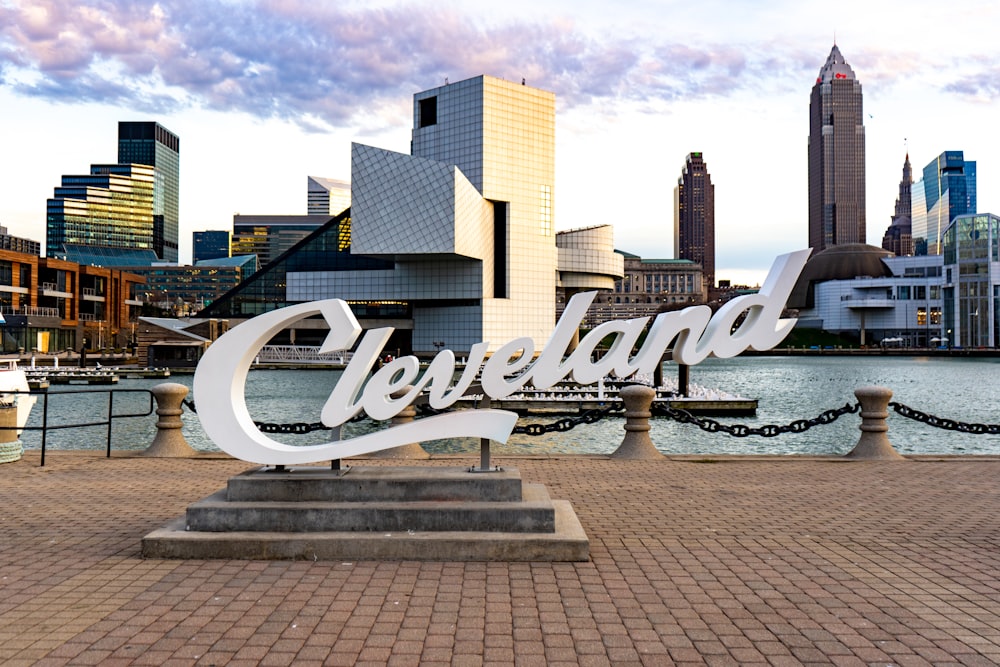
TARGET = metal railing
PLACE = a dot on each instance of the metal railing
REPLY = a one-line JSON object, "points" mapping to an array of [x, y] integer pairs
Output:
{"points": [[300, 354], [45, 427]]}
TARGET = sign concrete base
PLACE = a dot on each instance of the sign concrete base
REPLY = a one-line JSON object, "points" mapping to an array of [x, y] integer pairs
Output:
{"points": [[375, 513]]}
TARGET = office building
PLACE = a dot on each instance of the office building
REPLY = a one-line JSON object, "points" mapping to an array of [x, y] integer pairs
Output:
{"points": [[268, 236], [327, 196], [454, 244], [186, 290], [836, 156], [647, 287], [946, 190], [694, 217], [18, 243], [898, 239], [152, 144], [212, 244], [971, 249], [110, 207]]}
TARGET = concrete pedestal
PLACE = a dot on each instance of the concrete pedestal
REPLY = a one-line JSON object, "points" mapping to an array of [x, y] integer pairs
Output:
{"points": [[169, 440], [375, 513], [10, 447]]}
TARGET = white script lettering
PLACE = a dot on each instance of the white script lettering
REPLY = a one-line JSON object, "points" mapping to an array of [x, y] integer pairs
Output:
{"points": [[694, 334]]}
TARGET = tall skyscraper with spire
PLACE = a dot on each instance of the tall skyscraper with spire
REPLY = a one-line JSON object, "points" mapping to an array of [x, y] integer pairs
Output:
{"points": [[836, 156], [898, 238], [694, 216]]}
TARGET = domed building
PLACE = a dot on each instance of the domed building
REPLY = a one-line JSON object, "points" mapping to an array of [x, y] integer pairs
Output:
{"points": [[865, 292]]}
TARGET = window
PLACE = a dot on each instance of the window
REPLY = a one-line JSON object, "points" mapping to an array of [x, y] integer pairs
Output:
{"points": [[428, 112]]}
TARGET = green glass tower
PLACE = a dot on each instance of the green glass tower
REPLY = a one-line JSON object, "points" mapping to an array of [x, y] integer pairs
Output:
{"points": [[152, 144]]}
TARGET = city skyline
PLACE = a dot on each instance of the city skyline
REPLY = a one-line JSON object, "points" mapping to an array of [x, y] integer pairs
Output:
{"points": [[637, 89]]}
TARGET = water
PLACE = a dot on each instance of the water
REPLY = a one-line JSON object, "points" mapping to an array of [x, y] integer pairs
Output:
{"points": [[788, 388]]}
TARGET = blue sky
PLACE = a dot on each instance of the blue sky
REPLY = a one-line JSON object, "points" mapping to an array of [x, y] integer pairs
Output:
{"points": [[263, 94]]}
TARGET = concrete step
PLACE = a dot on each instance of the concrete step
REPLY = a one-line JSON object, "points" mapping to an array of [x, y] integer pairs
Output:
{"points": [[375, 483], [375, 513], [568, 542], [534, 513]]}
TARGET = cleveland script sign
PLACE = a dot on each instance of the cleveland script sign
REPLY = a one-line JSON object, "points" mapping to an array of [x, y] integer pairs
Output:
{"points": [[694, 334]]}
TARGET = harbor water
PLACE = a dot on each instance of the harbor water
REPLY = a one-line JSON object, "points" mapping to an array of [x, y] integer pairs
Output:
{"points": [[788, 388]]}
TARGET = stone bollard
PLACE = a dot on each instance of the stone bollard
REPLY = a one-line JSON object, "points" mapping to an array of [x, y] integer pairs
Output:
{"points": [[169, 441], [874, 442], [410, 451], [637, 444], [10, 447]]}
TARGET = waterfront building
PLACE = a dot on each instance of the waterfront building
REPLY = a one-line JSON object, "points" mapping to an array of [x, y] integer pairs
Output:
{"points": [[111, 207], [836, 156], [454, 244], [152, 144], [210, 244], [898, 238], [694, 217], [946, 190], [51, 305], [327, 196], [268, 236], [971, 257], [865, 292], [646, 287]]}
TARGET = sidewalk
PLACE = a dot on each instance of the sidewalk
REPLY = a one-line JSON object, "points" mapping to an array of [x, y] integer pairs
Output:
{"points": [[732, 561]]}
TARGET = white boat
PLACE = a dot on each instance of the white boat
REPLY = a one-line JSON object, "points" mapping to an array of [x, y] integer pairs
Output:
{"points": [[13, 379]]}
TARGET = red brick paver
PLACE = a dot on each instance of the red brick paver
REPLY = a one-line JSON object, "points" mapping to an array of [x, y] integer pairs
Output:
{"points": [[730, 561]]}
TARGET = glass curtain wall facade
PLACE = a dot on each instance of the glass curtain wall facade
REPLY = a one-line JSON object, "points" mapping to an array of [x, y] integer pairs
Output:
{"points": [[112, 206], [269, 236], [946, 190], [836, 157], [210, 245], [152, 144], [694, 217], [971, 248], [327, 248]]}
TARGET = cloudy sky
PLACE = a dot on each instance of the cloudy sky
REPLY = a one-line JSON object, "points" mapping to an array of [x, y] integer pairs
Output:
{"points": [[264, 93]]}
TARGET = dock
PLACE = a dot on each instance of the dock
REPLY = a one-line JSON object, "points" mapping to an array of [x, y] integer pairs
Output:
{"points": [[543, 403], [37, 377]]}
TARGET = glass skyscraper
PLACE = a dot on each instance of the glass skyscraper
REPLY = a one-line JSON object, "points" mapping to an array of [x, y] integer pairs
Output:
{"points": [[152, 144], [694, 216], [110, 207], [971, 249], [836, 156], [946, 191]]}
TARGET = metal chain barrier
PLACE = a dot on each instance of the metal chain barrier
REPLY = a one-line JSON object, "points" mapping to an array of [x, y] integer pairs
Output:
{"points": [[567, 423], [681, 416], [766, 431], [297, 428], [946, 424]]}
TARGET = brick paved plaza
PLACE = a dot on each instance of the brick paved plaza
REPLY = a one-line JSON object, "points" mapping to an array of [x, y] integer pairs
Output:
{"points": [[722, 561]]}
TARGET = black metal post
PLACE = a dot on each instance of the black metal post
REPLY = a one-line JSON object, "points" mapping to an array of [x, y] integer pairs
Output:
{"points": [[683, 379], [111, 410], [45, 423]]}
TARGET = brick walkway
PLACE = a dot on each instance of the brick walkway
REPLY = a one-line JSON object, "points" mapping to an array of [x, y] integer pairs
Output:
{"points": [[728, 561]]}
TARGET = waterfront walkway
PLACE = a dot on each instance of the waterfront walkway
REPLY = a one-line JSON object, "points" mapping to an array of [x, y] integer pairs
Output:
{"points": [[718, 561]]}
